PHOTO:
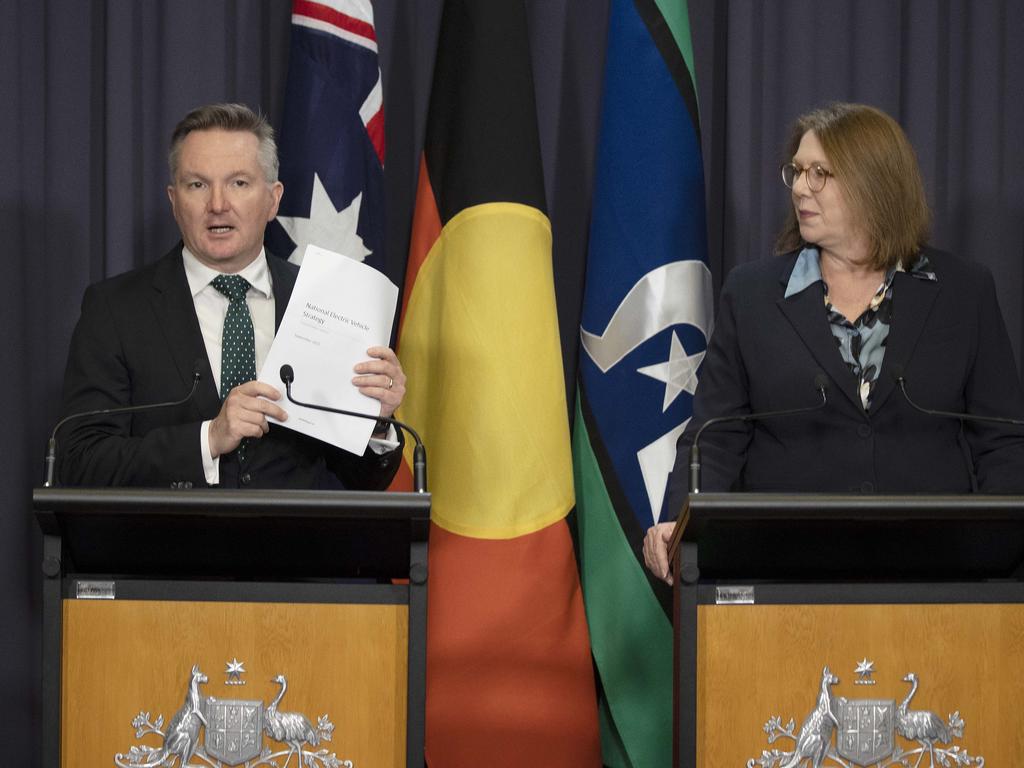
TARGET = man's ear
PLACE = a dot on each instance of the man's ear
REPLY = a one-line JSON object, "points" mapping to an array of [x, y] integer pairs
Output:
{"points": [[276, 190]]}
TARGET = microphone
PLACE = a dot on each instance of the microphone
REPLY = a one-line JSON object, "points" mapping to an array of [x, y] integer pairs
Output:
{"points": [[820, 384], [51, 446], [419, 453], [901, 382]]}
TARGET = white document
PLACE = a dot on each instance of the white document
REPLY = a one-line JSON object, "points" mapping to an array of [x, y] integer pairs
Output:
{"points": [[339, 308]]}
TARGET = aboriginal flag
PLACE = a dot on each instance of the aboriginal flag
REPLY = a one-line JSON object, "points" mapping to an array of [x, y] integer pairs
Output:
{"points": [[509, 672]]}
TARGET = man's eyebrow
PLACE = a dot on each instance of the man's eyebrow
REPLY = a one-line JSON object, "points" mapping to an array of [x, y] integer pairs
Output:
{"points": [[187, 173]]}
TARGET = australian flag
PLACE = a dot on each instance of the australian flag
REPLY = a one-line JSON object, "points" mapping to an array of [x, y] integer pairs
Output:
{"points": [[332, 135]]}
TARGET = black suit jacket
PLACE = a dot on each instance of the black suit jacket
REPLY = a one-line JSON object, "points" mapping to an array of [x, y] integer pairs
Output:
{"points": [[948, 339], [137, 342]]}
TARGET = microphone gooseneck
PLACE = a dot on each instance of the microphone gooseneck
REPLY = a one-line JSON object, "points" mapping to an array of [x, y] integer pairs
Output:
{"points": [[51, 445], [419, 453], [820, 384], [901, 382]]}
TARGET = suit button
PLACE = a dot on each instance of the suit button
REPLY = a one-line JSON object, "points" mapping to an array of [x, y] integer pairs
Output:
{"points": [[867, 487], [864, 430], [245, 479]]}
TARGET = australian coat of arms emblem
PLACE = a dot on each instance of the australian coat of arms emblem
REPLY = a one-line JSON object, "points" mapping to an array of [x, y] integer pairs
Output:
{"points": [[843, 733], [214, 733]]}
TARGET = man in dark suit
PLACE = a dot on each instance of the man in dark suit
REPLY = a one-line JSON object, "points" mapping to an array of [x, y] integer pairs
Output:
{"points": [[211, 304]]}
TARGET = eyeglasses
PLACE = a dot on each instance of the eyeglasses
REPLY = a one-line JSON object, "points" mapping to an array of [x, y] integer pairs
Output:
{"points": [[816, 175]]}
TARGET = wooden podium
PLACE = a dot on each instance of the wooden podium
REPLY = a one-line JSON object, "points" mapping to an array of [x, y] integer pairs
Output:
{"points": [[222, 628], [840, 631]]}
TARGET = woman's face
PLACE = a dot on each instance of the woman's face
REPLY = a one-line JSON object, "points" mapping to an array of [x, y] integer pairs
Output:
{"points": [[826, 219]]}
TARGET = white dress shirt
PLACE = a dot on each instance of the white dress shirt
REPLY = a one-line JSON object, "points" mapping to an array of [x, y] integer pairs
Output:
{"points": [[212, 306]]}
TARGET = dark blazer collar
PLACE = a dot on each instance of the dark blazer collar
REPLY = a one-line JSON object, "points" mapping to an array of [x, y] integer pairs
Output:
{"points": [[282, 274], [912, 302], [806, 313], [912, 305], [176, 316]]}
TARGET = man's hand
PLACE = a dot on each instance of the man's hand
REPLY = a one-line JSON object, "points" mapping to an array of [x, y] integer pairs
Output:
{"points": [[656, 550], [382, 379], [244, 414]]}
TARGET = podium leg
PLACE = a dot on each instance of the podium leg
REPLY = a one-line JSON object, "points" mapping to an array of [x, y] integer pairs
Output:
{"points": [[685, 689], [52, 583], [417, 682]]}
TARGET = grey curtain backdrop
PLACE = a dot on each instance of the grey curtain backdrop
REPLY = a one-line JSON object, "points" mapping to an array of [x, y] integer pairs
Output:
{"points": [[90, 90]]}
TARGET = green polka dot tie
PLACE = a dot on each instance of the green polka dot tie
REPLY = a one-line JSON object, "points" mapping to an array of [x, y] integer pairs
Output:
{"points": [[238, 345]]}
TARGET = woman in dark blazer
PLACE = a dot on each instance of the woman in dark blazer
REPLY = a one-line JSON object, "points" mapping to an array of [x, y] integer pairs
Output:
{"points": [[856, 300]]}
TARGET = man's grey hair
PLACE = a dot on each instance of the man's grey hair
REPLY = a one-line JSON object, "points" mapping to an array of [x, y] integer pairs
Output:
{"points": [[227, 117]]}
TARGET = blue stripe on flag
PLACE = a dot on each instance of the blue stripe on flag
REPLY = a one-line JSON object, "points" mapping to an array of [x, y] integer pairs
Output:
{"points": [[648, 212]]}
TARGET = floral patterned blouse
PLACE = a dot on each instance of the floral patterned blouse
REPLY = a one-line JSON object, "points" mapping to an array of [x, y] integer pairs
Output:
{"points": [[861, 342]]}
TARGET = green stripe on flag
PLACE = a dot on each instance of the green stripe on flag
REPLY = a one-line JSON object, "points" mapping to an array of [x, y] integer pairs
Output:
{"points": [[626, 621], [613, 753], [677, 16]]}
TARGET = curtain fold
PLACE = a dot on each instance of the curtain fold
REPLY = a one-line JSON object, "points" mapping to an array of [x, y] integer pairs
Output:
{"points": [[944, 69], [91, 90]]}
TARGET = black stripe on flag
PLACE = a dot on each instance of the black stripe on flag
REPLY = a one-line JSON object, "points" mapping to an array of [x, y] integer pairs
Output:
{"points": [[482, 143]]}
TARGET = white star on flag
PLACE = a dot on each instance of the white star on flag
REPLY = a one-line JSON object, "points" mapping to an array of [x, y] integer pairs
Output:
{"points": [[679, 372], [326, 226]]}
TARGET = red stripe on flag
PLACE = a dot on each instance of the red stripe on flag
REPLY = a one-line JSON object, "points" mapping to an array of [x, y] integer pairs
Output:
{"points": [[338, 19], [375, 129], [402, 481], [509, 679], [426, 228]]}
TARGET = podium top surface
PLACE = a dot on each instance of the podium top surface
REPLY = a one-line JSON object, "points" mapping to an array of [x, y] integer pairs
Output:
{"points": [[215, 503], [824, 536], [706, 508], [226, 533]]}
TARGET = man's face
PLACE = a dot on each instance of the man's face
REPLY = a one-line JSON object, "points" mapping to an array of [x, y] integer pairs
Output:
{"points": [[221, 199]]}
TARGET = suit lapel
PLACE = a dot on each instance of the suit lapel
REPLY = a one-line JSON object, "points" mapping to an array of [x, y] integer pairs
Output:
{"points": [[282, 275], [176, 315], [806, 313], [912, 303]]}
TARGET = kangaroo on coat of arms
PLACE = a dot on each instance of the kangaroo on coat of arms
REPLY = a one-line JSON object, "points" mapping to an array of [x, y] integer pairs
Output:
{"points": [[816, 733]]}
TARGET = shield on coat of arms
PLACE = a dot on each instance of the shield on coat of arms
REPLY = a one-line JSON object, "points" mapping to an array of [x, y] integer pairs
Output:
{"points": [[234, 730], [866, 731]]}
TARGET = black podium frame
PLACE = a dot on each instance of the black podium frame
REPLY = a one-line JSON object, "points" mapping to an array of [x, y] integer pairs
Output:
{"points": [[244, 546], [792, 549]]}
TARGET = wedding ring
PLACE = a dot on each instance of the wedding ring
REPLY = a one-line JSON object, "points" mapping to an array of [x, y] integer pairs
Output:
{"points": [[391, 382]]}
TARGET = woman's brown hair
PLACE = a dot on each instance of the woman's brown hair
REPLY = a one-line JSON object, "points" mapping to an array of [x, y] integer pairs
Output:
{"points": [[871, 158]]}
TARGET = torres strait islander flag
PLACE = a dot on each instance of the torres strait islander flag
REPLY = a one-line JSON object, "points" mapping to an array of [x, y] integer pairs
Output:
{"points": [[647, 314], [332, 135], [509, 672]]}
